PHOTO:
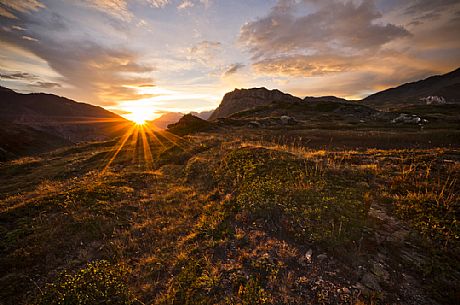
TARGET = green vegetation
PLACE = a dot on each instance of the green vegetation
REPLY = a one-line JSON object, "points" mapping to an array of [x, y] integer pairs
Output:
{"points": [[98, 283], [215, 219]]}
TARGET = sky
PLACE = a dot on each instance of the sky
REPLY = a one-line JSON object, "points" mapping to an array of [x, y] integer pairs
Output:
{"points": [[156, 56]]}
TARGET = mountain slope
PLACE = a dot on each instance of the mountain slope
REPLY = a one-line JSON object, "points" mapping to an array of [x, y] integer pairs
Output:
{"points": [[446, 86], [51, 121]]}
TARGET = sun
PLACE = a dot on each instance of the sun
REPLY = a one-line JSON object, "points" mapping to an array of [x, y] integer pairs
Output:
{"points": [[138, 116]]}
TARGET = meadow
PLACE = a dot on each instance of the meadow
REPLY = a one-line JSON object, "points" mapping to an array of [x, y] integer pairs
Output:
{"points": [[216, 218]]}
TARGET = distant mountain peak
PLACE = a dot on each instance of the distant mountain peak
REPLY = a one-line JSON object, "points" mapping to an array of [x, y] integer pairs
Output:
{"points": [[243, 99]]}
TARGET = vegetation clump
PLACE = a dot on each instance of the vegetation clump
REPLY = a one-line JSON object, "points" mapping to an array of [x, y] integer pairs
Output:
{"points": [[98, 283]]}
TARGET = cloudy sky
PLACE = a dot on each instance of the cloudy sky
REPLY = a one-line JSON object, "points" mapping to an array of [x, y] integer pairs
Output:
{"points": [[183, 55]]}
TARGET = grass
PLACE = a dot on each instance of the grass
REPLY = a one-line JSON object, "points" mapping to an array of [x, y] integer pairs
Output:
{"points": [[215, 219]]}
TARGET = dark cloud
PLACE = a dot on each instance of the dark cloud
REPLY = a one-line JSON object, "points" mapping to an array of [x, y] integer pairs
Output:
{"points": [[232, 69], [17, 76]]}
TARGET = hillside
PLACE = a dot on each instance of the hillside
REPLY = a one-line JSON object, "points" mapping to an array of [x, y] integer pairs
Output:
{"points": [[53, 121], [445, 87], [245, 217]]}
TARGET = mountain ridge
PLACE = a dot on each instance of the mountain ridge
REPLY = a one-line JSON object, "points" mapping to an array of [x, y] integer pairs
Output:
{"points": [[445, 86], [38, 122]]}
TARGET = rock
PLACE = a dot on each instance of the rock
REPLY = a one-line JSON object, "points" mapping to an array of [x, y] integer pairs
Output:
{"points": [[433, 100], [408, 119], [254, 124], [287, 120], [308, 255], [370, 281], [321, 257]]}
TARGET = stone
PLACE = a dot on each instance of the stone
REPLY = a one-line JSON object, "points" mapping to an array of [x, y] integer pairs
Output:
{"points": [[254, 124], [321, 257], [308, 255], [346, 290]]}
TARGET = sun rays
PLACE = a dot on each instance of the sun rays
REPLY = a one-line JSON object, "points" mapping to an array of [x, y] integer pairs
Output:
{"points": [[142, 142]]}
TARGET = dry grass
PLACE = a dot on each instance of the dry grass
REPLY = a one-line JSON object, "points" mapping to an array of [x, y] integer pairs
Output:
{"points": [[218, 220]]}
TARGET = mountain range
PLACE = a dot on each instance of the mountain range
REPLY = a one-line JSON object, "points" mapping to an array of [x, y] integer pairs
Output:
{"points": [[38, 122]]}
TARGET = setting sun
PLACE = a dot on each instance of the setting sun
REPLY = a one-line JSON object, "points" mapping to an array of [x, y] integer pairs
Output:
{"points": [[139, 116]]}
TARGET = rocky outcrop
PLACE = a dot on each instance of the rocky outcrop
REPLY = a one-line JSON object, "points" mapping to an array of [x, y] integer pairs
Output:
{"points": [[244, 99]]}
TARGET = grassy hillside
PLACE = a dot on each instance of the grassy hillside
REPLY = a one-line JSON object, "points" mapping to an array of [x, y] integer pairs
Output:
{"points": [[220, 218]]}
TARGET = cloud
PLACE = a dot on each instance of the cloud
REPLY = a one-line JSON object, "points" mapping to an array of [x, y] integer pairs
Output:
{"points": [[115, 8], [234, 68], [98, 73], [307, 65], [424, 6], [31, 80], [29, 38], [5, 13], [158, 3], [348, 47], [46, 85], [335, 25], [22, 6], [191, 3], [204, 52], [18, 28], [185, 4], [17, 75], [329, 37]]}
